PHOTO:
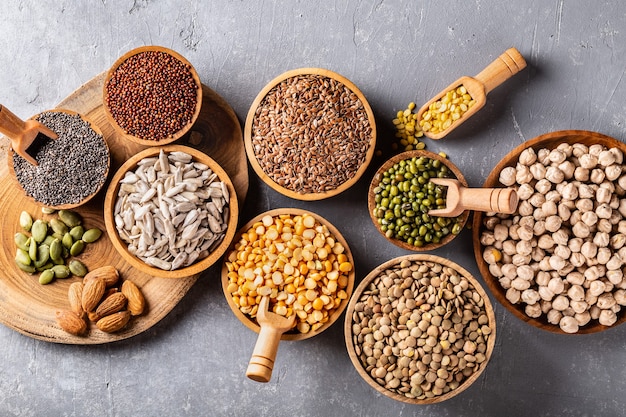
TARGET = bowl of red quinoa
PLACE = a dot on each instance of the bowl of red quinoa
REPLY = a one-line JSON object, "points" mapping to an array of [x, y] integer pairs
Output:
{"points": [[152, 95], [71, 169], [310, 134]]}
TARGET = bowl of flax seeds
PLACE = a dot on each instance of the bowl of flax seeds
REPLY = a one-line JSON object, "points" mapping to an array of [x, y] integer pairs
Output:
{"points": [[310, 134]]}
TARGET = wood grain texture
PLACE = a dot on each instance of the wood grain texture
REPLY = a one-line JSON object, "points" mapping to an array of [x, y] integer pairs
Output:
{"points": [[28, 307], [549, 141]]}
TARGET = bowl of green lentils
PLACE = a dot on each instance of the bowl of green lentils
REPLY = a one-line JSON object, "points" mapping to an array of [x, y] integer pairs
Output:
{"points": [[401, 195], [420, 329]]}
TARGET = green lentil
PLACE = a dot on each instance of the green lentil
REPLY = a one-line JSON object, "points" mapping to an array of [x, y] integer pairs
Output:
{"points": [[405, 216]]}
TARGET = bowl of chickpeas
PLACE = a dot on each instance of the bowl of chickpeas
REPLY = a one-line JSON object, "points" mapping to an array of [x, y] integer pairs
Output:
{"points": [[557, 263], [401, 195], [297, 259]]}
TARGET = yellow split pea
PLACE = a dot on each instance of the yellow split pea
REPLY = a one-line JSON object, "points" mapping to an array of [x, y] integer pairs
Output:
{"points": [[294, 260], [442, 113]]}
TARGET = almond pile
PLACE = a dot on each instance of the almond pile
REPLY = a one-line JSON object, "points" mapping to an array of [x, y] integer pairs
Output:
{"points": [[100, 299]]}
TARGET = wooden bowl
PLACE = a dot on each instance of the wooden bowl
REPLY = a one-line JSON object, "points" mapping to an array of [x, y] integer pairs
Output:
{"points": [[149, 142], [550, 141], [277, 183], [294, 334], [122, 247], [96, 129], [351, 314], [371, 203]]}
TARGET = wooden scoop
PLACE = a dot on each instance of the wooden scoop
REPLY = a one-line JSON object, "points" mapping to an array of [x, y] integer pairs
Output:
{"points": [[500, 70], [460, 198], [22, 133], [272, 327]]}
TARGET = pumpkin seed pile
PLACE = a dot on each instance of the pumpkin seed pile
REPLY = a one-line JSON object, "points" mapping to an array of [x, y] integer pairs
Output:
{"points": [[47, 246]]}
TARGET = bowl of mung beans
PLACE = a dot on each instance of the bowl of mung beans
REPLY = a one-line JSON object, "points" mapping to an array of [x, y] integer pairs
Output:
{"points": [[558, 262], [71, 169], [400, 196], [310, 134], [297, 259], [152, 95], [171, 211], [420, 329]]}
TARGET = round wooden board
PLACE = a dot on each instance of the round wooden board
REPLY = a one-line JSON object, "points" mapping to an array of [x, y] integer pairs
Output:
{"points": [[27, 306]]}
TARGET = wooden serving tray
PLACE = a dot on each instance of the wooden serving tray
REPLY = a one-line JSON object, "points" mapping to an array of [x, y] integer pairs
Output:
{"points": [[29, 307]]}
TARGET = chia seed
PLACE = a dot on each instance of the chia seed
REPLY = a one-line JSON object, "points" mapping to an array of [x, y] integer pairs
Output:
{"points": [[71, 167]]}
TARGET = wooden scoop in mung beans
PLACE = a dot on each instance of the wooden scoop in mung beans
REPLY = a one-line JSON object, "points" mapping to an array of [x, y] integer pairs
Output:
{"points": [[464, 97]]}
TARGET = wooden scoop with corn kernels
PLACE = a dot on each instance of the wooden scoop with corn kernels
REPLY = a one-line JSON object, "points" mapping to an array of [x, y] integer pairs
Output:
{"points": [[500, 70], [460, 198]]}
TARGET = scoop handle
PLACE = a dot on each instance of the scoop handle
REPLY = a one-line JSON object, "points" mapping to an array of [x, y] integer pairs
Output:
{"points": [[261, 363], [499, 200], [501, 69], [11, 125]]}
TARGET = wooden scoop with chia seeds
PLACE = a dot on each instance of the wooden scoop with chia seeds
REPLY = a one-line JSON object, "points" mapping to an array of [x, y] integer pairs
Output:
{"points": [[460, 198], [272, 327], [500, 70], [22, 133]]}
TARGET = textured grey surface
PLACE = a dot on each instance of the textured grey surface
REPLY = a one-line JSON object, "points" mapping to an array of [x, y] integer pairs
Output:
{"points": [[193, 361]]}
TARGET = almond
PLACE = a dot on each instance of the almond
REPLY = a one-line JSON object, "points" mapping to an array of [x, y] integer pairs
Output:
{"points": [[107, 273], [75, 294], [136, 300], [93, 291], [111, 304], [71, 322], [113, 322]]}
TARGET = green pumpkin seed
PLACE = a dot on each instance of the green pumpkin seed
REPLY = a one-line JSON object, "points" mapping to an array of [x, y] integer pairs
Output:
{"points": [[92, 235], [70, 218], [77, 248], [56, 252], [32, 250], [46, 277], [48, 210], [26, 268], [26, 221], [48, 240], [61, 271], [21, 256], [77, 268], [47, 265], [58, 226], [77, 232], [67, 240], [43, 256], [39, 230], [21, 241]]}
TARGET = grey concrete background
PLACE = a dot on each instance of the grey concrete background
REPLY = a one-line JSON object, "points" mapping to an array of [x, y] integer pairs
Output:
{"points": [[193, 361]]}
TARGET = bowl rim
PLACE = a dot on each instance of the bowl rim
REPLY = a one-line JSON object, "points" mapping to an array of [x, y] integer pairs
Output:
{"points": [[121, 247], [371, 203], [67, 206], [371, 276], [250, 119], [551, 139], [251, 323], [136, 139]]}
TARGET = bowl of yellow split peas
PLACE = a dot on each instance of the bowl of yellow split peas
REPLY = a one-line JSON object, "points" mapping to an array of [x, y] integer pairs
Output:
{"points": [[297, 259]]}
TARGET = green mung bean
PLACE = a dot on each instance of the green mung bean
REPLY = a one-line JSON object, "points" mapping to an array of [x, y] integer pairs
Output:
{"points": [[404, 197]]}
